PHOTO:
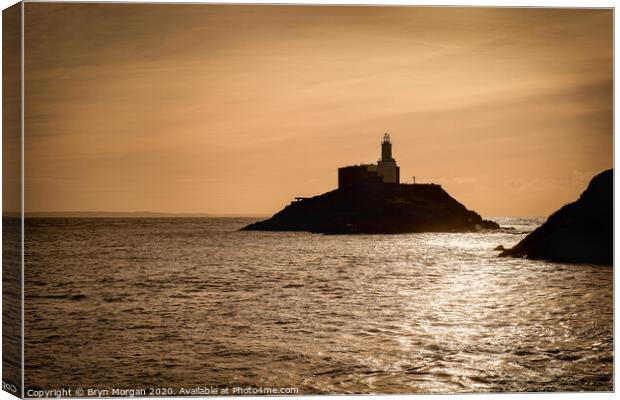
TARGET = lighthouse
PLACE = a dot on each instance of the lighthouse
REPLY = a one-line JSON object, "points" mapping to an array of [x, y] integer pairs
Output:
{"points": [[386, 148], [386, 166], [371, 175]]}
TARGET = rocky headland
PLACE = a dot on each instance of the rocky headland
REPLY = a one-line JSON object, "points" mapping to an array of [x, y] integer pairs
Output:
{"points": [[579, 232], [374, 209]]}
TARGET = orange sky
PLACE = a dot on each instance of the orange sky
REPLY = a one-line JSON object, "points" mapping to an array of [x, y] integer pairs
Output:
{"points": [[237, 109]]}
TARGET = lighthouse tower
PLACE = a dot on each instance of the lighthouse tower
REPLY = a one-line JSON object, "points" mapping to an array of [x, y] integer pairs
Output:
{"points": [[386, 148], [386, 167]]}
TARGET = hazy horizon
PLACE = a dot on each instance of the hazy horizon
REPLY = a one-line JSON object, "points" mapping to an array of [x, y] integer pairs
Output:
{"points": [[139, 214], [192, 215], [237, 109]]}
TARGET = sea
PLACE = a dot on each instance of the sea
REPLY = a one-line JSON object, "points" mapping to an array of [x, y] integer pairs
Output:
{"points": [[181, 304]]}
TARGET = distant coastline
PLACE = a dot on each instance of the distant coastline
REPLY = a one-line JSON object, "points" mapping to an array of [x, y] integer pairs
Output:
{"points": [[128, 214], [152, 214]]}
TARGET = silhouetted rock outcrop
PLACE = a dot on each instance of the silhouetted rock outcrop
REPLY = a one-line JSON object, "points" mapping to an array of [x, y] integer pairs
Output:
{"points": [[380, 208], [579, 232]]}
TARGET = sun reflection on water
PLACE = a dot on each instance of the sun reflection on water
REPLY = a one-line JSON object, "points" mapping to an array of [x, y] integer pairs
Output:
{"points": [[339, 314]]}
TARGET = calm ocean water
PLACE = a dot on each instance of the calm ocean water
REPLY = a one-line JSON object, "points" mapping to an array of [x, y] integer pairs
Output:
{"points": [[184, 303]]}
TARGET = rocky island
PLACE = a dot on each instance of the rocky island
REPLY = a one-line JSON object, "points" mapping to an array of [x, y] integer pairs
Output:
{"points": [[579, 232], [370, 199]]}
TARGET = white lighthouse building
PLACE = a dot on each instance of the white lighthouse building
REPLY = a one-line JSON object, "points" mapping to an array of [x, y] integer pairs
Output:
{"points": [[384, 171], [386, 166]]}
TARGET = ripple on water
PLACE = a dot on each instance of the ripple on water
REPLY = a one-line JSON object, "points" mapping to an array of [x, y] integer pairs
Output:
{"points": [[194, 302]]}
